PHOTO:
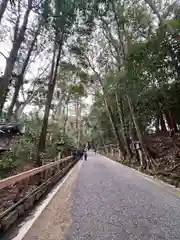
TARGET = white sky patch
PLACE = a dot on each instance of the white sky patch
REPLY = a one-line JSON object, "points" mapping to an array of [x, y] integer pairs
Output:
{"points": [[42, 61]]}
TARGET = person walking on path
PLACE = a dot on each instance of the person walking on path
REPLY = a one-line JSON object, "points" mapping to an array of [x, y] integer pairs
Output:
{"points": [[85, 154]]}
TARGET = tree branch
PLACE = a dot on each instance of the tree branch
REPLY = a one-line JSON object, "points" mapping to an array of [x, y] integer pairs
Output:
{"points": [[170, 9], [3, 55]]}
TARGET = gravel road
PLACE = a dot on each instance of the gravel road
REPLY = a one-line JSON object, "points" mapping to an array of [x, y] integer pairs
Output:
{"points": [[56, 218], [111, 201], [104, 200]]}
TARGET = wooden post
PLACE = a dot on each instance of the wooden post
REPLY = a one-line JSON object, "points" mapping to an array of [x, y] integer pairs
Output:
{"points": [[46, 174], [119, 153], [58, 167], [138, 148], [112, 151], [59, 155]]}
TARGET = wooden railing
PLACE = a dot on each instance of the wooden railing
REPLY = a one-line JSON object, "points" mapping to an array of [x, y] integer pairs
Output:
{"points": [[18, 193], [25, 175]]}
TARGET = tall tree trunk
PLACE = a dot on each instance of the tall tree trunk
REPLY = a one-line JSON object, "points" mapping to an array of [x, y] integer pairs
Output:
{"points": [[122, 50], [111, 118], [19, 81], [66, 117], [77, 121], [102, 143], [18, 111], [122, 128], [3, 6], [131, 108], [52, 82], [66, 120], [162, 123], [115, 129], [17, 87], [157, 121], [174, 122], [171, 121], [110, 115], [12, 59]]}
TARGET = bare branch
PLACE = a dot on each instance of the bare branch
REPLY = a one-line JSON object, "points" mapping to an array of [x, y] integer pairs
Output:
{"points": [[3, 55], [161, 18], [170, 9]]}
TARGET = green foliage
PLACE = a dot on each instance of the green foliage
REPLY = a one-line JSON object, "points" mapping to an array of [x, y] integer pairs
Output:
{"points": [[174, 23], [78, 90], [118, 43], [22, 153], [149, 74], [46, 10], [24, 148]]}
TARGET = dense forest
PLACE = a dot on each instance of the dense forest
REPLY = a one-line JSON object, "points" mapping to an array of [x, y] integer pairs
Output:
{"points": [[123, 55]]}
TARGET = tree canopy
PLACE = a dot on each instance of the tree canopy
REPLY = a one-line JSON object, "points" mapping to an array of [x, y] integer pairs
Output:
{"points": [[124, 55]]}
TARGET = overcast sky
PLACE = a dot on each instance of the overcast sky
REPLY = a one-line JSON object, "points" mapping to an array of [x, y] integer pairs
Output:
{"points": [[41, 61]]}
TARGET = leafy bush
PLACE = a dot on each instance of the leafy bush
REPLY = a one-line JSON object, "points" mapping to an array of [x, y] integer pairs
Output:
{"points": [[24, 147]]}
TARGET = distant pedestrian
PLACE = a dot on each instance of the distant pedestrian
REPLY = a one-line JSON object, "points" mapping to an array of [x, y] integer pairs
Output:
{"points": [[85, 154]]}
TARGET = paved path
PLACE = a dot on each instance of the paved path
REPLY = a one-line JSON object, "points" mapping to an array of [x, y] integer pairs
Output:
{"points": [[111, 201], [104, 200]]}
